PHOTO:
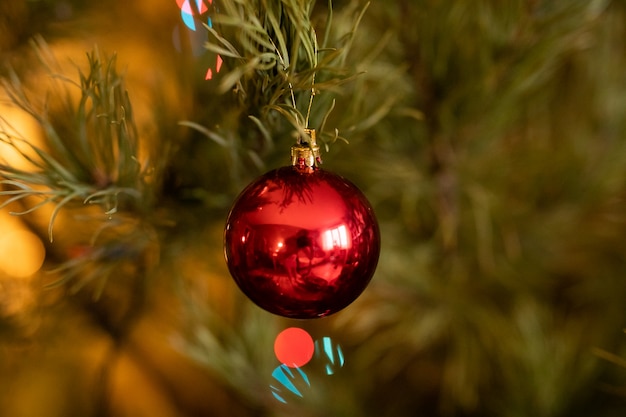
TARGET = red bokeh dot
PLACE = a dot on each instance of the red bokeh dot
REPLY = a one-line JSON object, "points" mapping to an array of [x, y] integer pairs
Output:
{"points": [[294, 347]]}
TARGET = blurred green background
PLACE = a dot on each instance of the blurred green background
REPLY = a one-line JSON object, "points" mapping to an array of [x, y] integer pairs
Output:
{"points": [[488, 135]]}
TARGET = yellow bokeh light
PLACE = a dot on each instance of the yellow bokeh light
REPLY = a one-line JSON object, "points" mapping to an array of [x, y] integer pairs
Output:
{"points": [[21, 253], [16, 122]]}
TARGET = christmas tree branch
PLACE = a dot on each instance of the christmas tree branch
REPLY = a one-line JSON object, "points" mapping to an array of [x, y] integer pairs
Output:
{"points": [[273, 64], [90, 151]]}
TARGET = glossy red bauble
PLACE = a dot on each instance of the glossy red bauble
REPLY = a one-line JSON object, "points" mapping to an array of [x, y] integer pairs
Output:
{"points": [[302, 243]]}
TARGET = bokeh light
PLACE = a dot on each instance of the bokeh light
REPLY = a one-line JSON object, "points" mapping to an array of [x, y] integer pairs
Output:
{"points": [[329, 352], [294, 347], [21, 253], [187, 11], [292, 381], [17, 123]]}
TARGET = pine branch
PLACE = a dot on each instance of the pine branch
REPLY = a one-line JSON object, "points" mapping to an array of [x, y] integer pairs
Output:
{"points": [[273, 63], [91, 145]]}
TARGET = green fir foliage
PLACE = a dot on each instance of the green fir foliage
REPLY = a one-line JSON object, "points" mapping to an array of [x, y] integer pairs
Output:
{"points": [[91, 153]]}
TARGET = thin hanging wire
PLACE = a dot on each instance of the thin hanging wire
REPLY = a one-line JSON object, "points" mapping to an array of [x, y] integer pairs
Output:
{"points": [[308, 112], [315, 52], [293, 96], [291, 90]]}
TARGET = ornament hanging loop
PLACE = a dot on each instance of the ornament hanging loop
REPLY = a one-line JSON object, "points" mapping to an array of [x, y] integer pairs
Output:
{"points": [[306, 153]]}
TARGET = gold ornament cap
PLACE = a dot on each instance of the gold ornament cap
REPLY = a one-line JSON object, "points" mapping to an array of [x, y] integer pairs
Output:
{"points": [[306, 153]]}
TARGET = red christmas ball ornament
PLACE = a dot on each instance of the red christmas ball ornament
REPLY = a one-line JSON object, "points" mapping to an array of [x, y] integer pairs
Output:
{"points": [[302, 242]]}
